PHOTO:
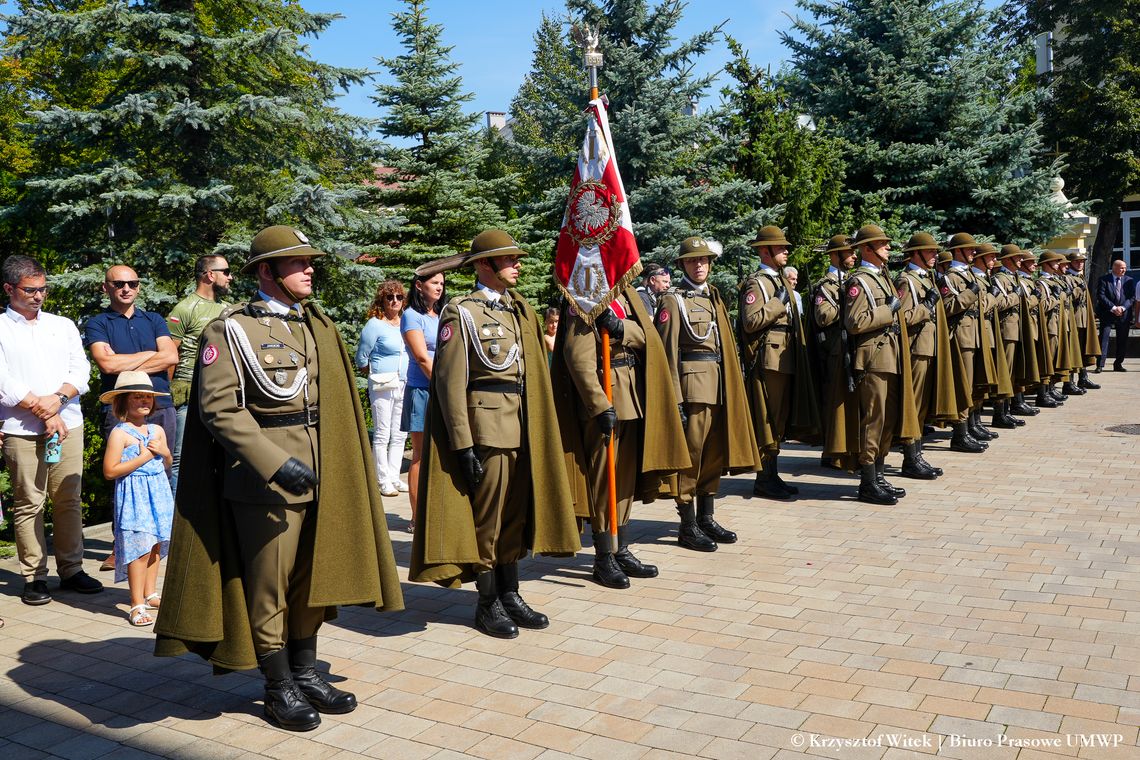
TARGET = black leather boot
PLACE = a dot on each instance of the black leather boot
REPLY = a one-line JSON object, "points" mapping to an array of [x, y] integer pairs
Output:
{"points": [[1044, 400], [768, 483], [1005, 412], [320, 693], [1059, 397], [1000, 418], [780, 481], [490, 617], [880, 468], [285, 705], [922, 458], [1071, 389], [963, 441], [631, 565], [690, 535], [507, 577], [977, 429], [913, 466], [1019, 407], [708, 525], [1085, 383], [826, 461], [869, 489], [606, 569]]}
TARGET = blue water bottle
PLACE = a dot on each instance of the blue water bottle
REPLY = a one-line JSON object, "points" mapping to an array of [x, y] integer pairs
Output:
{"points": [[52, 449]]}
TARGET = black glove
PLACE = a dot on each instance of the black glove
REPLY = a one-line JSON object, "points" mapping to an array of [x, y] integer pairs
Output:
{"points": [[295, 477], [782, 294], [939, 281], [974, 286], [1057, 291], [995, 290], [609, 322], [895, 304], [931, 298], [684, 417], [607, 421], [470, 467]]}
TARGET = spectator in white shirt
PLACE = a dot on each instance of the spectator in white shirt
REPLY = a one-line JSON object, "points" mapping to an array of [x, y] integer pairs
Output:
{"points": [[43, 371]]}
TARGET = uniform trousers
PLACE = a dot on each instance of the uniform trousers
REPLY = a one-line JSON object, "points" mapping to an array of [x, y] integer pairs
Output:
{"points": [[969, 356], [705, 437], [777, 394], [626, 458], [276, 544], [500, 506], [878, 414], [1055, 351], [922, 378], [33, 481], [1010, 352]]}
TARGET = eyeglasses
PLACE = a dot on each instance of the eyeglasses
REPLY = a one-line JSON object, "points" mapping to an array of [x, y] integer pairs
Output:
{"points": [[32, 291], [394, 297], [120, 284], [223, 270]]}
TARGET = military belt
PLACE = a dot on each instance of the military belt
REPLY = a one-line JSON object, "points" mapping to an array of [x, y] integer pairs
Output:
{"points": [[700, 356], [495, 386], [309, 418], [1007, 312], [629, 360]]}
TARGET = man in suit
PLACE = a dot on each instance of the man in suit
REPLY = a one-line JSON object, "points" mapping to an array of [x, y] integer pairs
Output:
{"points": [[1115, 294]]}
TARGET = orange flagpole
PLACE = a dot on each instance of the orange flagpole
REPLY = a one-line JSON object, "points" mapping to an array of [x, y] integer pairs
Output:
{"points": [[611, 474]]}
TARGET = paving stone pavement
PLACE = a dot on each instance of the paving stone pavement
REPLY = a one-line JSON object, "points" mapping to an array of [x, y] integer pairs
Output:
{"points": [[992, 614]]}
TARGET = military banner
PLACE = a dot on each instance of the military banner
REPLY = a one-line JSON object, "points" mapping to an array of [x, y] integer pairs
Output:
{"points": [[596, 255]]}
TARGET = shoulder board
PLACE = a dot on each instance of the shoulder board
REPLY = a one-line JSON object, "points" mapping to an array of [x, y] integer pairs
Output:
{"points": [[232, 309]]}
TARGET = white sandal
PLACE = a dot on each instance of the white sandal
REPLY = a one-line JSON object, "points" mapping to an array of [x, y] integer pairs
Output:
{"points": [[147, 599], [139, 617]]}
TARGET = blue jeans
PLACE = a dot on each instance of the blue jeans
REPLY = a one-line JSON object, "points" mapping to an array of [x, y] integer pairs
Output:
{"points": [[176, 445]]}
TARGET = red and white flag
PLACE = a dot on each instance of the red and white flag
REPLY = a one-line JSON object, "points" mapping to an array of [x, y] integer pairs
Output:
{"points": [[597, 254]]}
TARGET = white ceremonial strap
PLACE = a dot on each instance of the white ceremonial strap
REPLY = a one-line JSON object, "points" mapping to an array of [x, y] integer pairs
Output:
{"points": [[237, 339], [477, 346]]}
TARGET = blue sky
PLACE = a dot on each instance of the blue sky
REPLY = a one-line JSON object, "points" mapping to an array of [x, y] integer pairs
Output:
{"points": [[493, 41]]}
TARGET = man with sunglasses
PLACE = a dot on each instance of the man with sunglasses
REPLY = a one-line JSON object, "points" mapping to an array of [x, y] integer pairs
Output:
{"points": [[123, 337], [43, 372], [185, 322]]}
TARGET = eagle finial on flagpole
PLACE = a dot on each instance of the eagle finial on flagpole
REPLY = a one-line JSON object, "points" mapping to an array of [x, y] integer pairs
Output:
{"points": [[588, 38]]}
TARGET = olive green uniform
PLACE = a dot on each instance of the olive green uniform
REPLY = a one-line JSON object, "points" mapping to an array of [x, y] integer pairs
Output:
{"points": [[913, 284], [962, 309], [259, 397], [875, 330], [582, 352], [686, 321], [773, 367], [1008, 304], [479, 370]]}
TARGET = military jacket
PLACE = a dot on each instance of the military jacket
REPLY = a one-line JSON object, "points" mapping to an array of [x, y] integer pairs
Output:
{"points": [[1050, 300], [763, 314], [686, 320], [962, 307], [478, 369], [1008, 304], [987, 305], [870, 322], [913, 285], [1080, 296], [582, 351], [258, 371], [1032, 301], [825, 313]]}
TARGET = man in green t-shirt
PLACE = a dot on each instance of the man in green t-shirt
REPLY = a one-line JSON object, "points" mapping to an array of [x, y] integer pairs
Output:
{"points": [[186, 322]]}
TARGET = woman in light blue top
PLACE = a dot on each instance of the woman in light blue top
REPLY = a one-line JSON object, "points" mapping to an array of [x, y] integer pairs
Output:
{"points": [[381, 353], [420, 325]]}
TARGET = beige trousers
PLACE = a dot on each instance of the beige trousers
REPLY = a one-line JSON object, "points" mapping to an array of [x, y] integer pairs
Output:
{"points": [[33, 482]]}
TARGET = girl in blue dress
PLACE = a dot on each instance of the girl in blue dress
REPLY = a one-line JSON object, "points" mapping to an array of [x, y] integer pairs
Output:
{"points": [[137, 458]]}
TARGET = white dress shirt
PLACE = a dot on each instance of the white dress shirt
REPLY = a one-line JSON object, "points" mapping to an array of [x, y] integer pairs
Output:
{"points": [[38, 357]]}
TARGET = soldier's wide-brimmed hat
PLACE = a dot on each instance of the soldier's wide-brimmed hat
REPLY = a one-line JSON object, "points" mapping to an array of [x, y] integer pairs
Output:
{"points": [[1050, 256], [869, 233], [921, 241], [131, 381], [945, 257], [838, 244], [769, 235], [696, 246], [487, 244], [985, 249], [278, 242], [1009, 251], [1078, 256], [961, 240]]}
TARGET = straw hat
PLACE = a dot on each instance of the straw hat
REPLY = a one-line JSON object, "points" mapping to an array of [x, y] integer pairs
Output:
{"points": [[131, 381]]}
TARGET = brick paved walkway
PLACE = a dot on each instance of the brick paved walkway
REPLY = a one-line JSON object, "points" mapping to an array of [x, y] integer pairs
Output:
{"points": [[993, 609]]}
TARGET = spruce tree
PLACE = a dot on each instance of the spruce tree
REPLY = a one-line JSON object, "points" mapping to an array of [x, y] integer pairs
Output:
{"points": [[436, 186], [167, 129], [939, 136], [674, 163]]}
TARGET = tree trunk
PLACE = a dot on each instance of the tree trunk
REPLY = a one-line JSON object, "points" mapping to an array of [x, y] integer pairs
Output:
{"points": [[1101, 260]]}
